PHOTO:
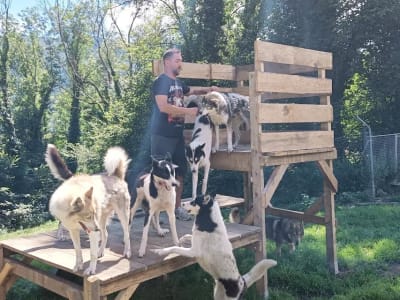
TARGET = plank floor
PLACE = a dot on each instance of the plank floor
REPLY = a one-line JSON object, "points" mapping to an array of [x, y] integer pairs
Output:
{"points": [[45, 247]]}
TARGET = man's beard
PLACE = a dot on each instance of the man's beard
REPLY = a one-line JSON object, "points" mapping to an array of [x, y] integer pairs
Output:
{"points": [[177, 71]]}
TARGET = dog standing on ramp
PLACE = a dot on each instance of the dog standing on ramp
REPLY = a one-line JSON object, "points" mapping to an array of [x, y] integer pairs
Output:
{"points": [[87, 201], [199, 150], [213, 250]]}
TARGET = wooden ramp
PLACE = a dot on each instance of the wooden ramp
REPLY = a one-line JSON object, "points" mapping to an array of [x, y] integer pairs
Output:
{"points": [[114, 273]]}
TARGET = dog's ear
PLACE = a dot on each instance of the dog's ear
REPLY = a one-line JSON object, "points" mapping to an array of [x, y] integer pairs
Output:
{"points": [[77, 205], [89, 193], [202, 146], [154, 162]]}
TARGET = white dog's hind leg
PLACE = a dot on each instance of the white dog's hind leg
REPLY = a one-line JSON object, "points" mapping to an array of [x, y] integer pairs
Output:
{"points": [[215, 148], [94, 237], [123, 215], [229, 136], [76, 240]]}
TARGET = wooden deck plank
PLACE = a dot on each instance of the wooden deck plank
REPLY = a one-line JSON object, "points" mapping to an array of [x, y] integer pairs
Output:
{"points": [[114, 271]]}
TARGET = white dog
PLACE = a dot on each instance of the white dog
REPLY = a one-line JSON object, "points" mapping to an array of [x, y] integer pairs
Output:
{"points": [[229, 109], [155, 192], [213, 251], [87, 201], [199, 150]]}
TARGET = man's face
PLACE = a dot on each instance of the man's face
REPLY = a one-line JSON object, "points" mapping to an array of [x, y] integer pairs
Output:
{"points": [[174, 63]]}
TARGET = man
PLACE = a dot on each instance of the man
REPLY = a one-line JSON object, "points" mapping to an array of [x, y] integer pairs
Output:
{"points": [[168, 118]]}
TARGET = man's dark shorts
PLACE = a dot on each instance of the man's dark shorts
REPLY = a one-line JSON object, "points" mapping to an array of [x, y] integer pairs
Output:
{"points": [[161, 145]]}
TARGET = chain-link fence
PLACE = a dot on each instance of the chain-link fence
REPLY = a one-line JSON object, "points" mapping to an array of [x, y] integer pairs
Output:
{"points": [[381, 155]]}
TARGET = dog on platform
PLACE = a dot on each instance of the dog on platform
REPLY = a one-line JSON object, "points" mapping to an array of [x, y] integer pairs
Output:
{"points": [[199, 150], [86, 202], [155, 192], [213, 250], [280, 230], [229, 109]]}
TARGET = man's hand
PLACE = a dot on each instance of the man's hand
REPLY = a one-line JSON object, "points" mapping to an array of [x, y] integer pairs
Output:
{"points": [[192, 111]]}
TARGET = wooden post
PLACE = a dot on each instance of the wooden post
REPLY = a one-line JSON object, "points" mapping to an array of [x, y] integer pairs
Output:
{"points": [[91, 289], [257, 175], [3, 290], [330, 221]]}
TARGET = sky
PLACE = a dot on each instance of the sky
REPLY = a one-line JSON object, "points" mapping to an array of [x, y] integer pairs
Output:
{"points": [[19, 5]]}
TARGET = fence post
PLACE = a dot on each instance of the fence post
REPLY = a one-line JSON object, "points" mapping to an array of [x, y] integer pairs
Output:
{"points": [[370, 156]]}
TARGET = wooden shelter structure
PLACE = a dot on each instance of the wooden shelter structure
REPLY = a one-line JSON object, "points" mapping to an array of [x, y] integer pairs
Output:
{"points": [[288, 90]]}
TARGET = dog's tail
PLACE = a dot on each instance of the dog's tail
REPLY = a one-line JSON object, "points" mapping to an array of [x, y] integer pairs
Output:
{"points": [[258, 271], [116, 162], [56, 164]]}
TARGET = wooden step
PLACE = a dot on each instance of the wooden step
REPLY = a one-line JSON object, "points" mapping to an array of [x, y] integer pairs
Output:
{"points": [[225, 201]]}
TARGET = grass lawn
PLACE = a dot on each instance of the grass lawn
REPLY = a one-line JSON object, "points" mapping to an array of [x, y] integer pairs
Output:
{"points": [[368, 239]]}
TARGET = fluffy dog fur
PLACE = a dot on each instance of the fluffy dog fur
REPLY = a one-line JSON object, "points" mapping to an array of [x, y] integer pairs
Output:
{"points": [[199, 150], [213, 251], [155, 192], [280, 230], [86, 202], [229, 109]]}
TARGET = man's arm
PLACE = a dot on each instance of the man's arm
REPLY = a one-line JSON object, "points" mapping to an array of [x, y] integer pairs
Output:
{"points": [[165, 107]]}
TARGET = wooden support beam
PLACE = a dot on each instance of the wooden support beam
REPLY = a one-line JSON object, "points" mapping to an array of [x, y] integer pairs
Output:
{"points": [[273, 183], [51, 282], [257, 175], [330, 220], [5, 272], [127, 293], [297, 215], [327, 172], [91, 289], [315, 207]]}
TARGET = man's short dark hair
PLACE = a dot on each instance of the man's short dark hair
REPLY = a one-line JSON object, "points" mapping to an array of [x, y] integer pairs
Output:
{"points": [[170, 52]]}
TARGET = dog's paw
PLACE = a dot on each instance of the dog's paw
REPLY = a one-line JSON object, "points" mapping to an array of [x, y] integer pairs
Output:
{"points": [[213, 150], [142, 252], [127, 253], [160, 252], [230, 149], [78, 266], [163, 231], [185, 240], [89, 271]]}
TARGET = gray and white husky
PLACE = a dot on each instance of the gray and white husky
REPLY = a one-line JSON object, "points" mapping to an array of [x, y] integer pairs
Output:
{"points": [[199, 150], [213, 251], [229, 109]]}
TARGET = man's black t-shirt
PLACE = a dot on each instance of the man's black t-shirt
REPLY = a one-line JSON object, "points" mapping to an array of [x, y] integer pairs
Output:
{"points": [[162, 123]]}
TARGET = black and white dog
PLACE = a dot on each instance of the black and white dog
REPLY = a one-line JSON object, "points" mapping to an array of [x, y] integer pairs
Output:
{"points": [[229, 109], [155, 192], [213, 250], [199, 150]]}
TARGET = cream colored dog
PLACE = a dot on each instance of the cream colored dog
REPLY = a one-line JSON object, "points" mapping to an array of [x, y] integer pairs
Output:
{"points": [[87, 201]]}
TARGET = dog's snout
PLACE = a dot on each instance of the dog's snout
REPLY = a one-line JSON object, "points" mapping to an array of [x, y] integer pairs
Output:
{"points": [[193, 170]]}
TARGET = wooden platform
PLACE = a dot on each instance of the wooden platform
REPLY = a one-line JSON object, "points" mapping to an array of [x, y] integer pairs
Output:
{"points": [[114, 273]]}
